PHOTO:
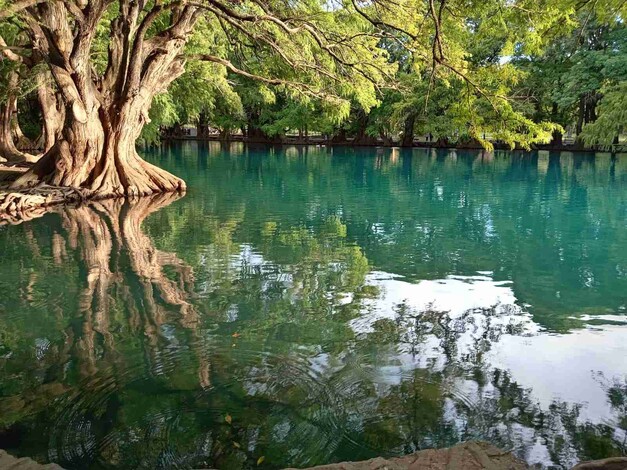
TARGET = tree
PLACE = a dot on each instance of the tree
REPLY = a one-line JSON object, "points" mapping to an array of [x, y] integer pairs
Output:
{"points": [[107, 92], [16, 79], [110, 60], [566, 82], [612, 118]]}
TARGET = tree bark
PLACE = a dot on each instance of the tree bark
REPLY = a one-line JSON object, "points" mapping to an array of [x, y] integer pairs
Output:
{"points": [[99, 156], [8, 149], [52, 111], [104, 115]]}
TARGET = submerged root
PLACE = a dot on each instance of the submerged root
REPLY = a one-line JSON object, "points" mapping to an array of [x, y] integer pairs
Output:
{"points": [[19, 206], [26, 203], [57, 178]]}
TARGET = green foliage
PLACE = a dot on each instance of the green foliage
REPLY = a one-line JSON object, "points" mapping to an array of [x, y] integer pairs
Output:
{"points": [[515, 72], [612, 118]]}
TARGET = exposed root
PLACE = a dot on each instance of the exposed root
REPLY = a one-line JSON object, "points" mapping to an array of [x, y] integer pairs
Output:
{"points": [[10, 172], [132, 177], [63, 176], [23, 166], [19, 156], [19, 206]]}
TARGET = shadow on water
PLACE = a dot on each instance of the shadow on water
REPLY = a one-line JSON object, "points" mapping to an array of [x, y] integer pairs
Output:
{"points": [[309, 307]]}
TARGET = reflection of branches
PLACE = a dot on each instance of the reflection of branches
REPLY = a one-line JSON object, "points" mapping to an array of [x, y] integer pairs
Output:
{"points": [[149, 263], [111, 244], [89, 232], [488, 403], [482, 323]]}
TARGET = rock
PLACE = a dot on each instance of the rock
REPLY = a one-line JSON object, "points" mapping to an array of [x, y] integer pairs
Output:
{"points": [[612, 463], [467, 456], [8, 462]]}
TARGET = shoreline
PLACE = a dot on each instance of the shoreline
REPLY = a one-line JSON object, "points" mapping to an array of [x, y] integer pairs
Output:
{"points": [[313, 141], [18, 206], [470, 455]]}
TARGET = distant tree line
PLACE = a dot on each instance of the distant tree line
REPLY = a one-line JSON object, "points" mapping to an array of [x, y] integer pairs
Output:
{"points": [[81, 81], [575, 84]]}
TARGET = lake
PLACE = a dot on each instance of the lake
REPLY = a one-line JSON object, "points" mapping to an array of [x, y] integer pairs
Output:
{"points": [[301, 306]]}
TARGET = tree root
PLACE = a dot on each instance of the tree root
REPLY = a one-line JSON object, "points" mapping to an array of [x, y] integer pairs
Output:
{"points": [[132, 177], [19, 206], [23, 204]]}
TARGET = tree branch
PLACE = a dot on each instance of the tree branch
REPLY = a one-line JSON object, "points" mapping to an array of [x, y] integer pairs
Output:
{"points": [[19, 6], [270, 81]]}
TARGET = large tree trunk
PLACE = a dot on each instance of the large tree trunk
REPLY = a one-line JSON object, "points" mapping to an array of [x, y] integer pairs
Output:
{"points": [[104, 115], [8, 150], [99, 156]]}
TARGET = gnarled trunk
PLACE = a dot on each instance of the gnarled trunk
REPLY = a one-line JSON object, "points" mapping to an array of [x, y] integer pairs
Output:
{"points": [[104, 115], [8, 150], [96, 153]]}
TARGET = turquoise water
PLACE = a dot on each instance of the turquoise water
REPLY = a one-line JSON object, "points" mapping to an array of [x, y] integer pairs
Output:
{"points": [[300, 306]]}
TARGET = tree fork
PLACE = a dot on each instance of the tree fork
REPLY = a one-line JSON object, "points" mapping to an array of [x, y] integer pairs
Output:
{"points": [[95, 150]]}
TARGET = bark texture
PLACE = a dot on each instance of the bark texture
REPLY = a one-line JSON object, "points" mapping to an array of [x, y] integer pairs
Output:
{"points": [[53, 112], [104, 114], [8, 120]]}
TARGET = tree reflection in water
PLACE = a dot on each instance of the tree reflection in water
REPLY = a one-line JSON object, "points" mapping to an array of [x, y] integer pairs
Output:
{"points": [[220, 354]]}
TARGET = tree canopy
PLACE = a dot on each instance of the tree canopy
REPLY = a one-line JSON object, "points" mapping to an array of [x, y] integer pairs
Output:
{"points": [[109, 72]]}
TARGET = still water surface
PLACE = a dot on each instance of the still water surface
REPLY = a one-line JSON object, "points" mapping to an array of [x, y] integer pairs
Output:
{"points": [[301, 306]]}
